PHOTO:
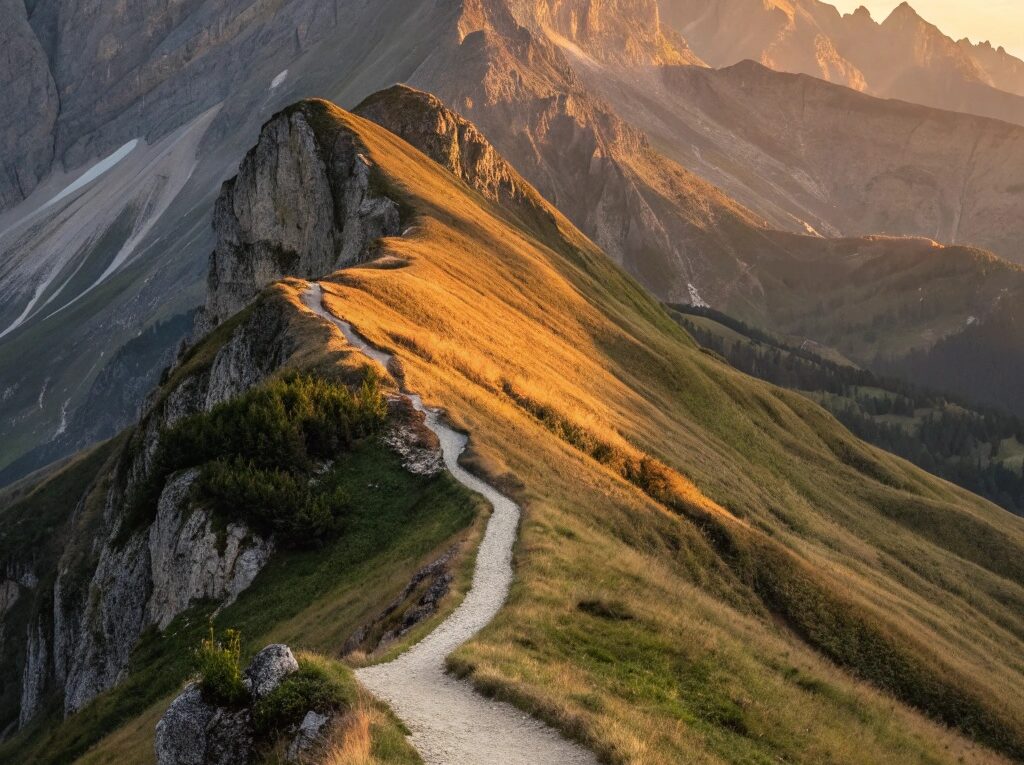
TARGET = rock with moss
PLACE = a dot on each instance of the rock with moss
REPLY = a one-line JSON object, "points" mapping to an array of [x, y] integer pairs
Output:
{"points": [[197, 730], [268, 669]]}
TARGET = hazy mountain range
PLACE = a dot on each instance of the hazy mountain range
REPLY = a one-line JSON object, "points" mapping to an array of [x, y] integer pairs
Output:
{"points": [[684, 174], [460, 381]]}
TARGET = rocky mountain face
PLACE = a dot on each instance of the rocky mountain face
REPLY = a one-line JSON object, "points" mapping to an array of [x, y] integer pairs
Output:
{"points": [[1005, 71], [263, 236], [28, 106], [116, 577], [106, 202], [680, 173], [902, 57], [626, 32], [845, 164]]}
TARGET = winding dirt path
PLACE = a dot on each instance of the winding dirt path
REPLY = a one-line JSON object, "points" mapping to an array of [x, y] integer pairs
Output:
{"points": [[450, 723]]}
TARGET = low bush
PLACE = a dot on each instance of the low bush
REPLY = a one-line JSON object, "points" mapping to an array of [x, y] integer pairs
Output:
{"points": [[262, 455], [317, 685], [218, 664]]}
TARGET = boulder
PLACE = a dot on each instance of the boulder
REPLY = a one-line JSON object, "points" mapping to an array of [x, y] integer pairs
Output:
{"points": [[183, 735], [268, 668], [310, 732]]}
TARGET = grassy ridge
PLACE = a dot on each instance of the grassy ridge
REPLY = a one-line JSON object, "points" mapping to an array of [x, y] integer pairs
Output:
{"points": [[814, 549]]}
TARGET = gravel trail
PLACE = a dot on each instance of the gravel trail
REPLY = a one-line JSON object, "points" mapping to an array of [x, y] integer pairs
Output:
{"points": [[450, 723]]}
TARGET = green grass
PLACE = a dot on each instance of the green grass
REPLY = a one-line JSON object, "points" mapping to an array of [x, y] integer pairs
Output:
{"points": [[309, 599]]}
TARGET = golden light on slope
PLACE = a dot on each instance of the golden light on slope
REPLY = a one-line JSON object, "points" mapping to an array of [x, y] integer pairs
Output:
{"points": [[486, 315]]}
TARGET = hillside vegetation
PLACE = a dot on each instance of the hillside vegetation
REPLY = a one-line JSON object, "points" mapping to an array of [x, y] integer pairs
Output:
{"points": [[979, 449], [300, 456], [709, 567]]}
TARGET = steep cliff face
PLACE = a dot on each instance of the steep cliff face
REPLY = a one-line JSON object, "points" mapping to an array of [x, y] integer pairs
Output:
{"points": [[115, 580], [517, 81], [28, 106], [303, 204], [306, 202], [627, 32]]}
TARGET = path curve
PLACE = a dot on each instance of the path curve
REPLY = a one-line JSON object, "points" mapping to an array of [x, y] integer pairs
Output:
{"points": [[450, 723]]}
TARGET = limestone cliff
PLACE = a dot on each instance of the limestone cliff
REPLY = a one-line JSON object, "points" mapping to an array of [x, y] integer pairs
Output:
{"points": [[115, 580], [303, 204]]}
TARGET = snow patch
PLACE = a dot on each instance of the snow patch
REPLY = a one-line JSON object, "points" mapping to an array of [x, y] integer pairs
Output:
{"points": [[277, 81], [695, 299], [93, 173], [811, 229], [63, 419]]}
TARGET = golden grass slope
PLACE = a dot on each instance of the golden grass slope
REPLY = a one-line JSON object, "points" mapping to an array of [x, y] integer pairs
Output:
{"points": [[710, 569]]}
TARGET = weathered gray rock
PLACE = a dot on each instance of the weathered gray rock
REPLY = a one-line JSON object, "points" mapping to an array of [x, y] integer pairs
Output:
{"points": [[195, 732], [409, 437], [310, 733], [268, 668], [28, 106], [152, 575], [101, 643], [422, 120], [190, 562], [9, 593], [301, 205], [181, 732], [36, 674]]}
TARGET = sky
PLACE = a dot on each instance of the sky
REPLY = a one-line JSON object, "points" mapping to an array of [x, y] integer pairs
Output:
{"points": [[999, 21]]}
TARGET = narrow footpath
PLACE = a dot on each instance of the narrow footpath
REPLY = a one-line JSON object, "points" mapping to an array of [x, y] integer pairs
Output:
{"points": [[450, 723]]}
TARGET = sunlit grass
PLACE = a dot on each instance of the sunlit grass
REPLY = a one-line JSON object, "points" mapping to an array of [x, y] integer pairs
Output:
{"points": [[706, 668]]}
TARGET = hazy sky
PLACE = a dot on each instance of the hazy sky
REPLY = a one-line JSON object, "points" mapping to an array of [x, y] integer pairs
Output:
{"points": [[1000, 21]]}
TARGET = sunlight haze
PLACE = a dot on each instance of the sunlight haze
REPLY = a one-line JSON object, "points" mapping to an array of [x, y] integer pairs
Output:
{"points": [[1001, 22]]}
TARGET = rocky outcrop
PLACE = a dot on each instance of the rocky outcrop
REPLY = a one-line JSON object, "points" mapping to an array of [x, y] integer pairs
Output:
{"points": [[422, 120], [28, 106], [197, 731], [409, 437], [268, 668], [131, 580], [190, 561], [311, 732], [36, 674], [303, 204], [624, 32], [417, 602]]}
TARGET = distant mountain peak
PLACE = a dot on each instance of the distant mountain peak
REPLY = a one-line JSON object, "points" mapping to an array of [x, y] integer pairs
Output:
{"points": [[905, 13]]}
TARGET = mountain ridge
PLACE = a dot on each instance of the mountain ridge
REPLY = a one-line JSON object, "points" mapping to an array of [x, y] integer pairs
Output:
{"points": [[673, 506]]}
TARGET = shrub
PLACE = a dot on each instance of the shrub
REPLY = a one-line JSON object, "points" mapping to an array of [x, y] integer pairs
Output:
{"points": [[273, 500], [260, 454], [315, 686], [218, 664]]}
